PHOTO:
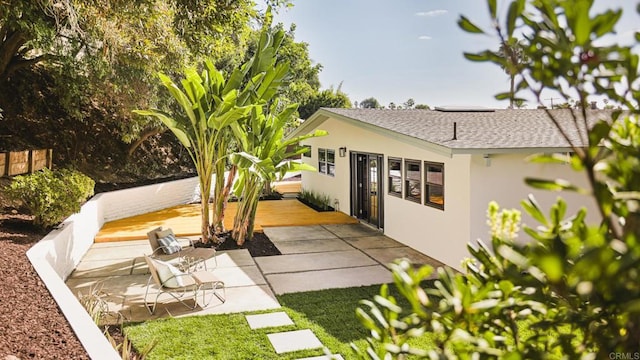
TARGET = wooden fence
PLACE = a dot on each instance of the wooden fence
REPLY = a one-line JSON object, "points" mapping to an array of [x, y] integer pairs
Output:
{"points": [[24, 162]]}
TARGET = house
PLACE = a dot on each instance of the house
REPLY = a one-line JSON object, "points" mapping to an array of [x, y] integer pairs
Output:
{"points": [[425, 177]]}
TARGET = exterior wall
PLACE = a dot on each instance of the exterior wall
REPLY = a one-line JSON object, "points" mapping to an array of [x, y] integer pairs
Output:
{"points": [[440, 234], [502, 180], [128, 202]]}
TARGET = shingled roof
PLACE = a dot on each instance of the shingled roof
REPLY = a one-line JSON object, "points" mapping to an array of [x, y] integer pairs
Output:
{"points": [[477, 130]]}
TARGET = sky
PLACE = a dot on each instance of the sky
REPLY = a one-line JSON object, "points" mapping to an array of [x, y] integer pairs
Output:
{"points": [[394, 50]]}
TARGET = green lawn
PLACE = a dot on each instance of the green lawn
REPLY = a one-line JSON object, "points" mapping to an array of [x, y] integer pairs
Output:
{"points": [[330, 314]]}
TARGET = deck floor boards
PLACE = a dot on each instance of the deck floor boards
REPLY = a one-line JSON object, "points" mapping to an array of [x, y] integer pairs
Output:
{"points": [[185, 220]]}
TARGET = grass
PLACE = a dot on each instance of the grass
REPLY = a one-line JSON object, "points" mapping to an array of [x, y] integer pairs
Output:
{"points": [[330, 314]]}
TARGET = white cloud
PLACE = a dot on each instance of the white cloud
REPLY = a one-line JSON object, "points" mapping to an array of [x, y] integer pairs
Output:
{"points": [[424, 37], [432, 13]]}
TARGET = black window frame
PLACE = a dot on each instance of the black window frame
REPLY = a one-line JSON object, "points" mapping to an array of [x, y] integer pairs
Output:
{"points": [[308, 153], [429, 186], [408, 180], [391, 177], [329, 167]]}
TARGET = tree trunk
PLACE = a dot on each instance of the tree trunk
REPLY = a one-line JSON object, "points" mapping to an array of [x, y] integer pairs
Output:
{"points": [[205, 195], [247, 205], [222, 199], [143, 137], [512, 90]]}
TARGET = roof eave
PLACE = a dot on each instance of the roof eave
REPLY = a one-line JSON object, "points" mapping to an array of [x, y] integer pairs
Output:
{"points": [[323, 115], [524, 150]]}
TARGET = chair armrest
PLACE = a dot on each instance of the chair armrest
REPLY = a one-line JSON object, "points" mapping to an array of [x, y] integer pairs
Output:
{"points": [[187, 274], [183, 239]]}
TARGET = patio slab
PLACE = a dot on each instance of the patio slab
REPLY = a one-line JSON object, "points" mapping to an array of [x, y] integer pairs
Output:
{"points": [[231, 258], [103, 268], [269, 320], [351, 230], [329, 279], [388, 255], [240, 276], [116, 252], [294, 341], [312, 246], [238, 299], [313, 261], [372, 242], [289, 233]]}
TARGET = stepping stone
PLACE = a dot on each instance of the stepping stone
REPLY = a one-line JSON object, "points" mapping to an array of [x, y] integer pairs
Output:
{"points": [[312, 246], [294, 340], [269, 320], [325, 357]]}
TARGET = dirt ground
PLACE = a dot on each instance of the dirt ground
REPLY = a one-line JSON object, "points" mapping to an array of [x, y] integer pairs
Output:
{"points": [[31, 324]]}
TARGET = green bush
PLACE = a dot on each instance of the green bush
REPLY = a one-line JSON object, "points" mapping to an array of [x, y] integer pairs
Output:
{"points": [[51, 196]]}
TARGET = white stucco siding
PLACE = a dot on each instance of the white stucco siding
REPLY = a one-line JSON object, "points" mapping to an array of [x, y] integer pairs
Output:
{"points": [[440, 234], [502, 180]]}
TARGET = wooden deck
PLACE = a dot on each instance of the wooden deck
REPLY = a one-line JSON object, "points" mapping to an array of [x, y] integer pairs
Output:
{"points": [[185, 220]]}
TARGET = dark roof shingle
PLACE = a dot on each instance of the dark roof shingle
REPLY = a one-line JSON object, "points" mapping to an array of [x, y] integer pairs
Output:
{"points": [[499, 129]]}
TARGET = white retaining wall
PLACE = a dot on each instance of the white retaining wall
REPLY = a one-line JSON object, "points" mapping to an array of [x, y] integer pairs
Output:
{"points": [[59, 252]]}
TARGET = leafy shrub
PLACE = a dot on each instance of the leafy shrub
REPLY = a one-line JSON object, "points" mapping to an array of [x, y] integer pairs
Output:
{"points": [[51, 196]]}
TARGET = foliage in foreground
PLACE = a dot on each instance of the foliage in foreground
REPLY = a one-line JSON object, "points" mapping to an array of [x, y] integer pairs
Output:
{"points": [[51, 196], [576, 285]]}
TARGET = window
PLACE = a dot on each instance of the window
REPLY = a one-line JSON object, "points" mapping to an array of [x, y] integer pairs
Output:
{"points": [[327, 161], [412, 181], [395, 177], [434, 184], [308, 153]]}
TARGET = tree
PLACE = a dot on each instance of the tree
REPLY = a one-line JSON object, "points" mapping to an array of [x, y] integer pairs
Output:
{"points": [[423, 107], [573, 285], [392, 105], [409, 103], [370, 103], [260, 137], [95, 61], [515, 59], [325, 98], [210, 104]]}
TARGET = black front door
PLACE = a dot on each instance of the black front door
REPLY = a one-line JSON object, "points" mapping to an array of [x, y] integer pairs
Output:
{"points": [[366, 183]]}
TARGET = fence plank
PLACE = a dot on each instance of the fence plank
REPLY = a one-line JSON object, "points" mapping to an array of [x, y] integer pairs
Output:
{"points": [[3, 164], [23, 162], [18, 162]]}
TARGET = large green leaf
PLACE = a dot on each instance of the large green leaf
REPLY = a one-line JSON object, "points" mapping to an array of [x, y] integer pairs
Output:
{"points": [[466, 25], [555, 185], [176, 128]]}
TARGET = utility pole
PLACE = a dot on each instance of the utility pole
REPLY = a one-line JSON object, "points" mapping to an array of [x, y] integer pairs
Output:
{"points": [[552, 98]]}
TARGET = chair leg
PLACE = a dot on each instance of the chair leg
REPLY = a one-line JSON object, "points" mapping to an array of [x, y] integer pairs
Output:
{"points": [[214, 287]]}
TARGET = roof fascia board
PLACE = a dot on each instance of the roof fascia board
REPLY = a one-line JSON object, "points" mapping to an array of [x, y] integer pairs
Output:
{"points": [[489, 151]]}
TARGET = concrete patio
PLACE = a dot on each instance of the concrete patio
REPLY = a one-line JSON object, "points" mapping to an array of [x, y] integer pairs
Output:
{"points": [[313, 258]]}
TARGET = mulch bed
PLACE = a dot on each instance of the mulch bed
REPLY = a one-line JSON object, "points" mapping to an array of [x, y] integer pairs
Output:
{"points": [[259, 245], [31, 324]]}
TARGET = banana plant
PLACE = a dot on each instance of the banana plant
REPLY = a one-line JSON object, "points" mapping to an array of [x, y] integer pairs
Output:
{"points": [[209, 105], [263, 158]]}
